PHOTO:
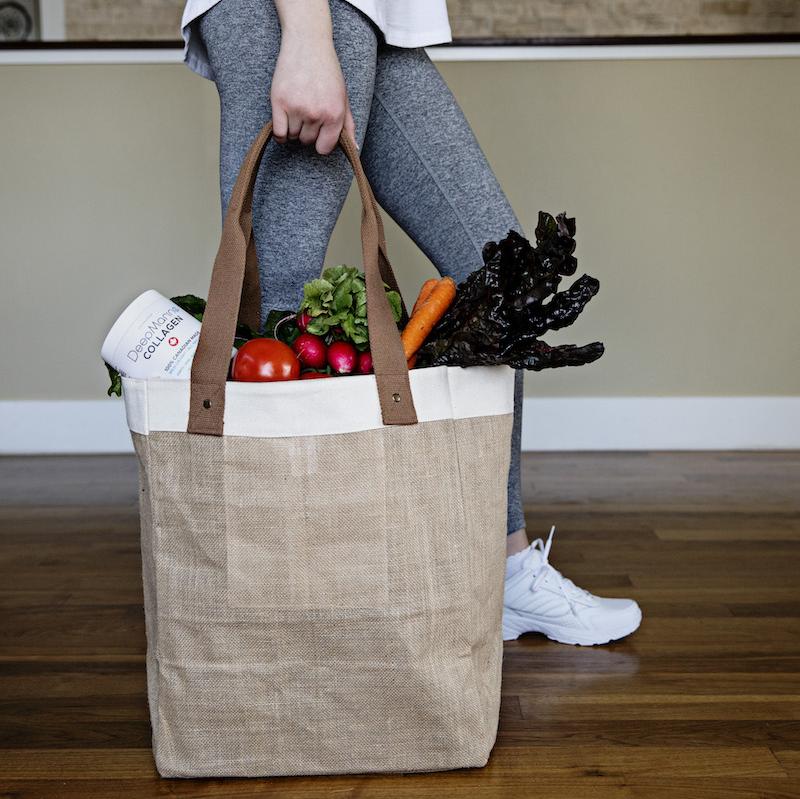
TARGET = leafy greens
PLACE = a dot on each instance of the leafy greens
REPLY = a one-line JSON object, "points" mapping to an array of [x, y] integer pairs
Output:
{"points": [[338, 299], [502, 308]]}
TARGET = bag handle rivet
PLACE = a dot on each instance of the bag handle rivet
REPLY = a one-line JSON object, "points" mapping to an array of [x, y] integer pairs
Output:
{"points": [[396, 397], [206, 404]]}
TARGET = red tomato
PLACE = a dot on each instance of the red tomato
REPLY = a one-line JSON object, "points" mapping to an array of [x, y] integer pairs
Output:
{"points": [[265, 360]]}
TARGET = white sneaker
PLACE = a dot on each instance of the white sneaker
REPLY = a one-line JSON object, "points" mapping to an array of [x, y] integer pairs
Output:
{"points": [[538, 598]]}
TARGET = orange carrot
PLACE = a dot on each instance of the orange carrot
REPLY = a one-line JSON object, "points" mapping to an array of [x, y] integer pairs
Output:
{"points": [[412, 361], [424, 319], [427, 287]]}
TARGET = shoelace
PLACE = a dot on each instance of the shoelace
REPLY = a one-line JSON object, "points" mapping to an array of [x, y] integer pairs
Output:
{"points": [[566, 587]]}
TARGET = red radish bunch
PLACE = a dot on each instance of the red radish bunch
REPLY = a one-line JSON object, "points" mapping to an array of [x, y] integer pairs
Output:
{"points": [[341, 356]]}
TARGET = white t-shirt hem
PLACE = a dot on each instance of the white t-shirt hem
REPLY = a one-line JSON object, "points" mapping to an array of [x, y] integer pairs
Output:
{"points": [[399, 37], [196, 58]]}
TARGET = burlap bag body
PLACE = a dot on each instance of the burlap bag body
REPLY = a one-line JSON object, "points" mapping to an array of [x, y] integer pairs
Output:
{"points": [[322, 579]]}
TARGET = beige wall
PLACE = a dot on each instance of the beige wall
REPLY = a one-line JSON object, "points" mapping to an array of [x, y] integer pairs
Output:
{"points": [[684, 177]]}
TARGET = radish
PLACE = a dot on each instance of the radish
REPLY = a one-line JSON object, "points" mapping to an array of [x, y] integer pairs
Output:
{"points": [[302, 321], [365, 363], [310, 350], [342, 357]]}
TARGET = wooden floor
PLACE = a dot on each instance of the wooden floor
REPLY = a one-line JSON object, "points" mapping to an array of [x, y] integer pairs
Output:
{"points": [[703, 702]]}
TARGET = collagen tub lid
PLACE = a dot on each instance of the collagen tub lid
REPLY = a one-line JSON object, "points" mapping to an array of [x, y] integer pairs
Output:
{"points": [[127, 319]]}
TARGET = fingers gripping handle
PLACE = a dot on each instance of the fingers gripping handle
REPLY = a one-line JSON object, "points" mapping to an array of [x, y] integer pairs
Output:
{"points": [[210, 365]]}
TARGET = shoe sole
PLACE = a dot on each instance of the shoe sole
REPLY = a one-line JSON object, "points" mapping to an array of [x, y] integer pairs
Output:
{"points": [[513, 620]]}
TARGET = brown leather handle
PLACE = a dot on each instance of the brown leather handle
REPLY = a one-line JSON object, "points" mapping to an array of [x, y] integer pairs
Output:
{"points": [[211, 360]]}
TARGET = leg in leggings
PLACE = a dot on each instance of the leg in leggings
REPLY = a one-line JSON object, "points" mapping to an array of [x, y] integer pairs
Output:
{"points": [[419, 152], [298, 194], [429, 173]]}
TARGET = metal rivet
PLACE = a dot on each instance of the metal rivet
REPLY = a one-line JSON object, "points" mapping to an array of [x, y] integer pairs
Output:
{"points": [[396, 397], [206, 404]]}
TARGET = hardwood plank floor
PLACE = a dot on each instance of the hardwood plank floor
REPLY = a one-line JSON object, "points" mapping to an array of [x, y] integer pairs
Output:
{"points": [[704, 701]]}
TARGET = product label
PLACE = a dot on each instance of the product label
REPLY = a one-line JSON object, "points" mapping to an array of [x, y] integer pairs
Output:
{"points": [[157, 331], [179, 365]]}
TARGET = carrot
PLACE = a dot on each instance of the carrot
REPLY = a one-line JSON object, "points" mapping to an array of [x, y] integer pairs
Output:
{"points": [[427, 287], [424, 319], [412, 361]]}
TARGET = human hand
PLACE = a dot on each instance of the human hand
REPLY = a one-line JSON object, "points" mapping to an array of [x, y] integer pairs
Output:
{"points": [[309, 97]]}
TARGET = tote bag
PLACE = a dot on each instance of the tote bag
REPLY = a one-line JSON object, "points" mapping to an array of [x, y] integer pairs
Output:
{"points": [[323, 560]]}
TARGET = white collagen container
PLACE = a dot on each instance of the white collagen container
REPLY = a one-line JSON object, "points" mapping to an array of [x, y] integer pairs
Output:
{"points": [[153, 337]]}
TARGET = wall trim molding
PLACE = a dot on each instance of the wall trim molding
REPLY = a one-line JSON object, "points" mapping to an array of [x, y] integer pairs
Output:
{"points": [[661, 423], [24, 56], [616, 52], [551, 424]]}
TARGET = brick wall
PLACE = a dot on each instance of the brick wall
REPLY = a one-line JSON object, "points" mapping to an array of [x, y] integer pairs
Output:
{"points": [[160, 19]]}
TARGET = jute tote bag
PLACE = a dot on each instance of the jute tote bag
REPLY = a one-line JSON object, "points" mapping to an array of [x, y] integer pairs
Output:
{"points": [[323, 560]]}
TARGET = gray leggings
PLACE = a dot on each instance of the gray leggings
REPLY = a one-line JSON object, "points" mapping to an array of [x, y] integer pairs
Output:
{"points": [[420, 155]]}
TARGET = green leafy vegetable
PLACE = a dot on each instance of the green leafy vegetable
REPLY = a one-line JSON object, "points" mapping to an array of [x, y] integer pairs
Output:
{"points": [[502, 308], [115, 389], [195, 306], [337, 305], [282, 325]]}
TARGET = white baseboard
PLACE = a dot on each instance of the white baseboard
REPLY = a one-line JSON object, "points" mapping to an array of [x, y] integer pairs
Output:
{"points": [[63, 426], [552, 423], [661, 423]]}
